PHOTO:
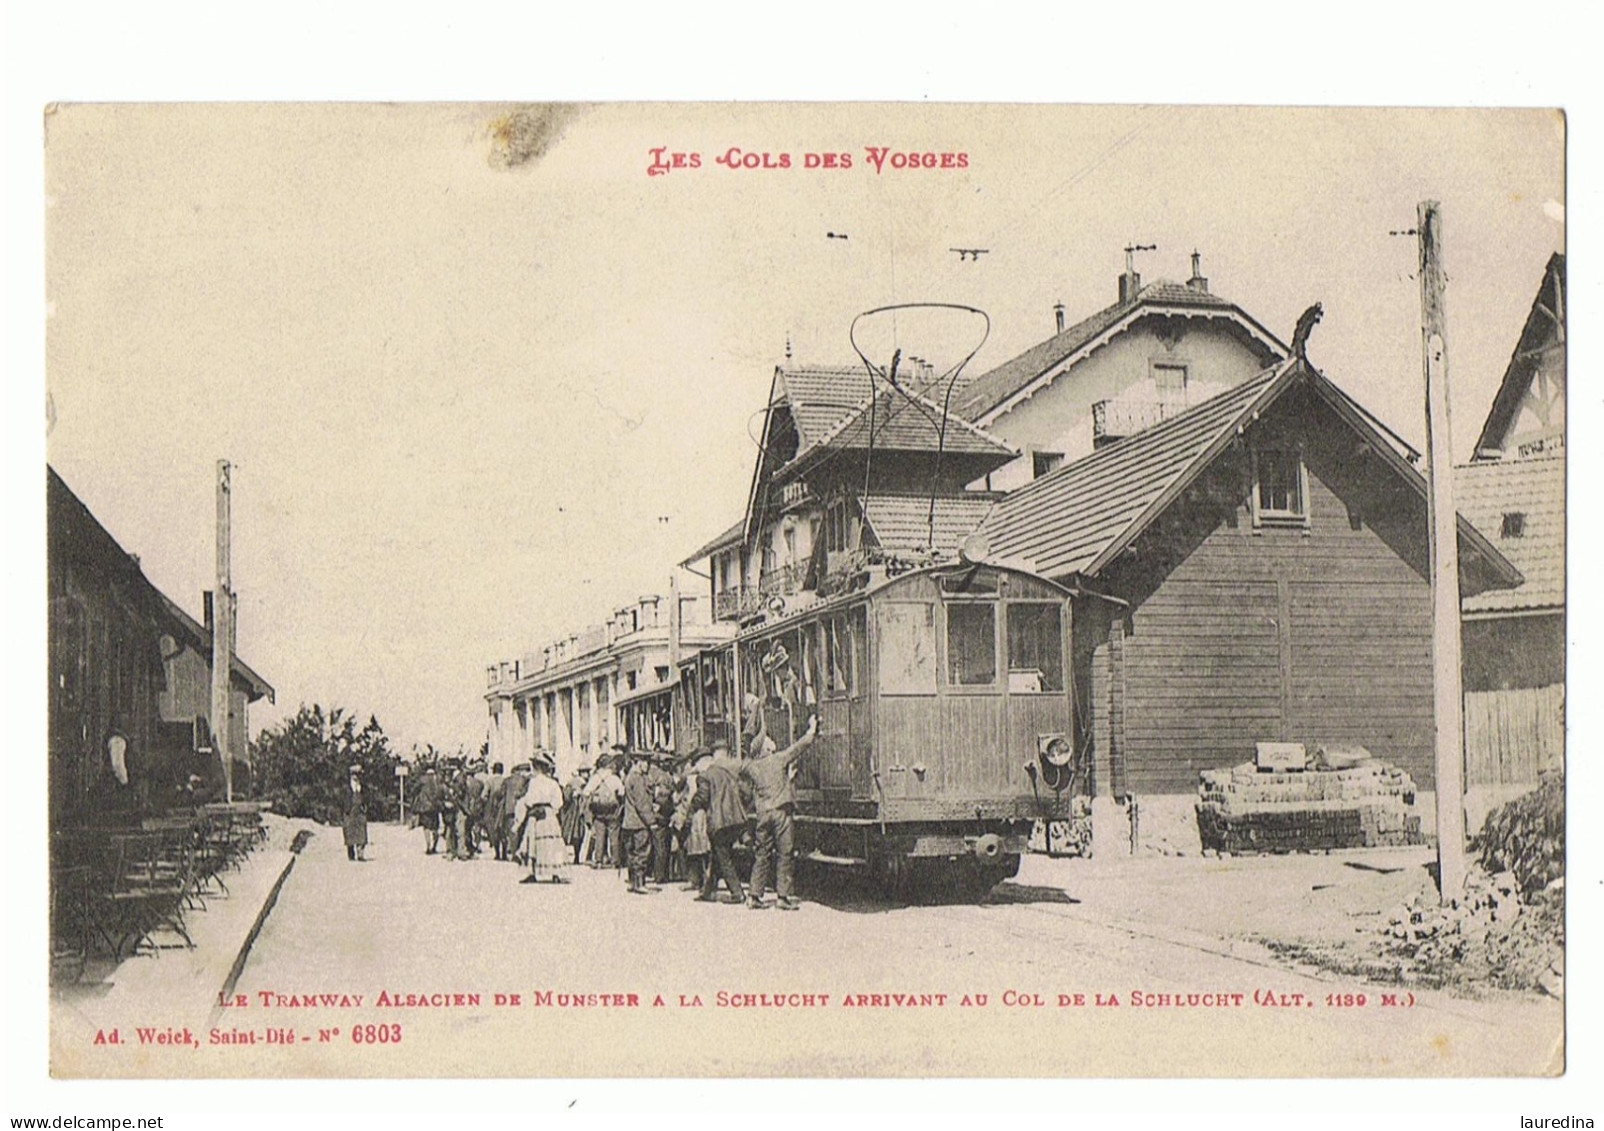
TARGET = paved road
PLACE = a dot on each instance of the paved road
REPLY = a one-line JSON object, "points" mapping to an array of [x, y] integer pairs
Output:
{"points": [[405, 923]]}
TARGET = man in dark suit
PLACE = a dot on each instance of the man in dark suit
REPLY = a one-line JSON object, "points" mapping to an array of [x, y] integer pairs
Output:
{"points": [[718, 790]]}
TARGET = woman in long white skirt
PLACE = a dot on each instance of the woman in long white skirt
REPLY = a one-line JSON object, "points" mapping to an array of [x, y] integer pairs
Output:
{"points": [[543, 833]]}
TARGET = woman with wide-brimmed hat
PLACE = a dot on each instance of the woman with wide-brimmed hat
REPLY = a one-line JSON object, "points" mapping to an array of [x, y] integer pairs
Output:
{"points": [[356, 818], [542, 803]]}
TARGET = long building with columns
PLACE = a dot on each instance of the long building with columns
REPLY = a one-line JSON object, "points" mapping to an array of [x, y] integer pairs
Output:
{"points": [[564, 696]]}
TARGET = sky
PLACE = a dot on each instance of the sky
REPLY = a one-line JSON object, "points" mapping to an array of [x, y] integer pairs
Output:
{"points": [[482, 379]]}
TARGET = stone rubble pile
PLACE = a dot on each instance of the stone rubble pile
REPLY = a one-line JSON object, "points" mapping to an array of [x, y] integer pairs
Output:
{"points": [[1491, 933]]}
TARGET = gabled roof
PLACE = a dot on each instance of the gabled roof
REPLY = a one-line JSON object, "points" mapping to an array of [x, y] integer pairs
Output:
{"points": [[1534, 489], [1080, 517], [904, 421], [200, 638], [731, 537], [1043, 362], [902, 522], [820, 396], [1545, 325], [74, 529]]}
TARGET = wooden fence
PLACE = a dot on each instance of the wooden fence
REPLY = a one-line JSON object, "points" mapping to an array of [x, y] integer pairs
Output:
{"points": [[1513, 736]]}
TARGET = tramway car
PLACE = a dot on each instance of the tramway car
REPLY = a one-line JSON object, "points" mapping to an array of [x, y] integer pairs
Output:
{"points": [[946, 719]]}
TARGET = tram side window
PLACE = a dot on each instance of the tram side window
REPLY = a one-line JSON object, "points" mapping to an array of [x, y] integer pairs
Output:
{"points": [[907, 649], [971, 644], [837, 656], [857, 625], [1035, 648]]}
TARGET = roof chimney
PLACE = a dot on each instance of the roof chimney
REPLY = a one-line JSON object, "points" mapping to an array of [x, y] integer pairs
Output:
{"points": [[1197, 282], [1130, 283], [1058, 315]]}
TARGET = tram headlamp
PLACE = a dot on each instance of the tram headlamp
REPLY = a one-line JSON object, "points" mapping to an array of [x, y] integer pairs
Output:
{"points": [[1054, 749]]}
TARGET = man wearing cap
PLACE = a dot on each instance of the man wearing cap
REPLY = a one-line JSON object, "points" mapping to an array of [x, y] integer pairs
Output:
{"points": [[511, 823], [497, 803], [355, 825], [661, 782], [768, 772], [690, 822], [450, 808], [718, 793], [471, 810], [575, 816], [426, 807], [604, 797], [640, 815]]}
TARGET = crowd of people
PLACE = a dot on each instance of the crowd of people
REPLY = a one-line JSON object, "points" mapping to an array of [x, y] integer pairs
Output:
{"points": [[657, 818]]}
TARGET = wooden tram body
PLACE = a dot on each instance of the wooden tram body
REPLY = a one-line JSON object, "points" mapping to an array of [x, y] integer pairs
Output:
{"points": [[946, 719]]}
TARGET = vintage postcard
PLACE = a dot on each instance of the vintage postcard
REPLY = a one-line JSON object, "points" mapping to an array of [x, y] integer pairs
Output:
{"points": [[805, 590]]}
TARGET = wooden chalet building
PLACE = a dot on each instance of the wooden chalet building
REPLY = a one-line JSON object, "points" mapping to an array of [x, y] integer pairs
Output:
{"points": [[1254, 568], [845, 478], [130, 678], [1514, 493]]}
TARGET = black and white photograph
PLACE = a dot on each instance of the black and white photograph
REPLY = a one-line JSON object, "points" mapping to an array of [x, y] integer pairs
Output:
{"points": [[805, 590]]}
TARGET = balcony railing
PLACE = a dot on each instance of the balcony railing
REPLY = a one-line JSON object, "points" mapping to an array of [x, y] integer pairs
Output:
{"points": [[781, 580], [733, 604], [1117, 418]]}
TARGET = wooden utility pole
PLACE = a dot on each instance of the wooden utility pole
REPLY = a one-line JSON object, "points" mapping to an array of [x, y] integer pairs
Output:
{"points": [[1444, 554], [223, 632]]}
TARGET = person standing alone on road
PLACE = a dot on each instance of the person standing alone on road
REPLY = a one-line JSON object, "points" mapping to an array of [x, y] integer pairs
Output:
{"points": [[356, 818], [769, 774]]}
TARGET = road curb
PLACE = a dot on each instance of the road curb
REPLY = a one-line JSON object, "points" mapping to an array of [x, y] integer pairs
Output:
{"points": [[240, 958]]}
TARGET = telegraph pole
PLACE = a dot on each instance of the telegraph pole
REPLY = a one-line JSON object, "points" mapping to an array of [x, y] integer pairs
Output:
{"points": [[223, 632], [1449, 706]]}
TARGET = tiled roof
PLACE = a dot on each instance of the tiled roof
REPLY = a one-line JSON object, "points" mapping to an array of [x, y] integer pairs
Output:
{"points": [[821, 396], [991, 389], [1078, 518], [902, 522], [1062, 522], [731, 537], [1535, 489], [908, 422]]}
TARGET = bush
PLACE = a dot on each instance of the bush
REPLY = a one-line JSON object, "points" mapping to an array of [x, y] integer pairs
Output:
{"points": [[303, 765], [1527, 837]]}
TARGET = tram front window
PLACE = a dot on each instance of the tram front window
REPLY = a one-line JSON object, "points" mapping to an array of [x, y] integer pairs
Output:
{"points": [[972, 644], [1035, 648]]}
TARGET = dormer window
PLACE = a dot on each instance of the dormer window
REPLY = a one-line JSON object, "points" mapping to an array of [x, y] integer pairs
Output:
{"points": [[1280, 487], [1514, 525]]}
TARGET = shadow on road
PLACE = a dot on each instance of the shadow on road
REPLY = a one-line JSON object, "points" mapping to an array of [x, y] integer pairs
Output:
{"points": [[1009, 892], [857, 894]]}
